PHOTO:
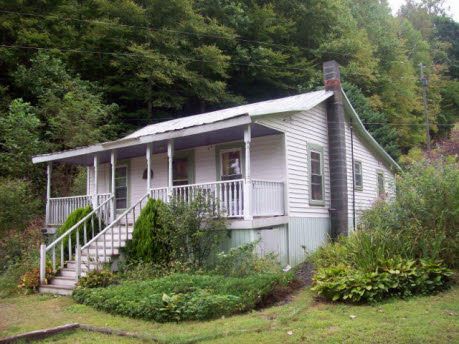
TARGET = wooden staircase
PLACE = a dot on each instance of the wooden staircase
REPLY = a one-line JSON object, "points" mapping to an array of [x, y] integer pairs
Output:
{"points": [[65, 279], [101, 249]]}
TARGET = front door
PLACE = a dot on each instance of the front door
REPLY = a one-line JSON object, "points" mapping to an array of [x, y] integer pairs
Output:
{"points": [[121, 187]]}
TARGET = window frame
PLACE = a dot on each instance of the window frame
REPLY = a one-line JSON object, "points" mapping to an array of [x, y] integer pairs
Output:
{"points": [[358, 187], [229, 147], [314, 148], [383, 194]]}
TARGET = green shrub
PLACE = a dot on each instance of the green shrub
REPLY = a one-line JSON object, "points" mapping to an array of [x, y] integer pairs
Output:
{"points": [[181, 297], [420, 226], [140, 271], [243, 261], [394, 277], [187, 233], [97, 279], [73, 218], [423, 221], [18, 205], [150, 242]]}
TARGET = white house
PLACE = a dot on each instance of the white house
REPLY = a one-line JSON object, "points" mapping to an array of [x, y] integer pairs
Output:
{"points": [[290, 172]]}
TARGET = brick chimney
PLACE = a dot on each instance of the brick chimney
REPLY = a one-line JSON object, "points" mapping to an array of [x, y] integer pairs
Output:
{"points": [[336, 151]]}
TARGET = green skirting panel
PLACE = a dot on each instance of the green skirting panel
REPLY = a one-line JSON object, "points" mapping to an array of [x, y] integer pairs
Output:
{"points": [[270, 240], [306, 234], [238, 237]]}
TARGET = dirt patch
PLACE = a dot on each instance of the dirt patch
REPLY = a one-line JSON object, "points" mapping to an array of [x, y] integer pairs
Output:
{"points": [[304, 273], [284, 294]]}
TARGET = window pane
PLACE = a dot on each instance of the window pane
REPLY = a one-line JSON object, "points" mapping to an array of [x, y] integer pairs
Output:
{"points": [[315, 163], [121, 172], [180, 169], [120, 182], [316, 192], [381, 190], [231, 163], [121, 192], [315, 167], [315, 179], [358, 177], [121, 204]]}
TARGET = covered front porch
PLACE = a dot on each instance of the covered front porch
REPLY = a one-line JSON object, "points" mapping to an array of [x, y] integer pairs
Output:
{"points": [[239, 166]]}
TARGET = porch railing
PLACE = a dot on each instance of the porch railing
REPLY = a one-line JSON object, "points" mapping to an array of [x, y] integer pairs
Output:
{"points": [[59, 208], [67, 245], [229, 195], [267, 196]]}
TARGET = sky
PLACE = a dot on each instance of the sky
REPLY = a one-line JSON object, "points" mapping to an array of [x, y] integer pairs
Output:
{"points": [[452, 4]]}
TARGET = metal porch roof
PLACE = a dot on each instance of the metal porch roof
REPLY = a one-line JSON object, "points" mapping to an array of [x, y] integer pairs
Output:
{"points": [[300, 102]]}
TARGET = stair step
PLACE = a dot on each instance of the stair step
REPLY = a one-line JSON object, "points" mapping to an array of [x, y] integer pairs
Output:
{"points": [[101, 259], [59, 290], [63, 281], [100, 252], [65, 272]]}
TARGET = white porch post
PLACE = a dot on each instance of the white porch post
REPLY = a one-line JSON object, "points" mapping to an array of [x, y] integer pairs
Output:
{"points": [[96, 184], [88, 180], [248, 177], [170, 156], [148, 153], [49, 169], [112, 203]]}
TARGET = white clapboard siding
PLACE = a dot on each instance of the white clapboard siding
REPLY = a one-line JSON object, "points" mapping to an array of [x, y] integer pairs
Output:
{"points": [[371, 164], [300, 129]]}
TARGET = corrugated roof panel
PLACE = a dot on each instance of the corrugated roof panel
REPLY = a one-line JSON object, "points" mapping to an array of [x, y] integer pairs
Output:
{"points": [[300, 102]]}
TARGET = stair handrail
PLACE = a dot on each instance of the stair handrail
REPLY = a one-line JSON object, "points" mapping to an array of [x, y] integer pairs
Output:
{"points": [[45, 249], [78, 224], [118, 219], [111, 226]]}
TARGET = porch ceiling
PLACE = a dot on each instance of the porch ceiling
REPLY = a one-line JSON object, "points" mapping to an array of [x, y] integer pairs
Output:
{"points": [[235, 133]]}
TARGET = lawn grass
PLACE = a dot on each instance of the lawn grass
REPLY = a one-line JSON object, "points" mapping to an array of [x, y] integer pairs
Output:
{"points": [[432, 319]]}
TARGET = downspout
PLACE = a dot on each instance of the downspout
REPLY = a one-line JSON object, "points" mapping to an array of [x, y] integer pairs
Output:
{"points": [[353, 175]]}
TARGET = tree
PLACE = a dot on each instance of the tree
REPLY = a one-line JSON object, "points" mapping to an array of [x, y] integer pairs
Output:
{"points": [[72, 110], [375, 122], [19, 141]]}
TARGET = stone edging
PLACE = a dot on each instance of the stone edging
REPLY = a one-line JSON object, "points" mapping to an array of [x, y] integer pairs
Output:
{"points": [[41, 334]]}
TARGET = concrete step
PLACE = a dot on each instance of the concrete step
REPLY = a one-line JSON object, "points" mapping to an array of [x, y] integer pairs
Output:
{"points": [[101, 259], [108, 244], [100, 251], [59, 290], [65, 272], [85, 266], [63, 281]]}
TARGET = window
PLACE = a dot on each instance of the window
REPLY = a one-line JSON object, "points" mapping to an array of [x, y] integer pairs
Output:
{"points": [[381, 190], [358, 175], [316, 175], [180, 171], [121, 187], [231, 164]]}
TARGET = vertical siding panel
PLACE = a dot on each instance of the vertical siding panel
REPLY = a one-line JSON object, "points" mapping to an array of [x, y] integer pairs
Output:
{"points": [[310, 232]]}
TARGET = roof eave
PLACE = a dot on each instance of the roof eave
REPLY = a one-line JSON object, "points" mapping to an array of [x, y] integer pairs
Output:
{"points": [[127, 142]]}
